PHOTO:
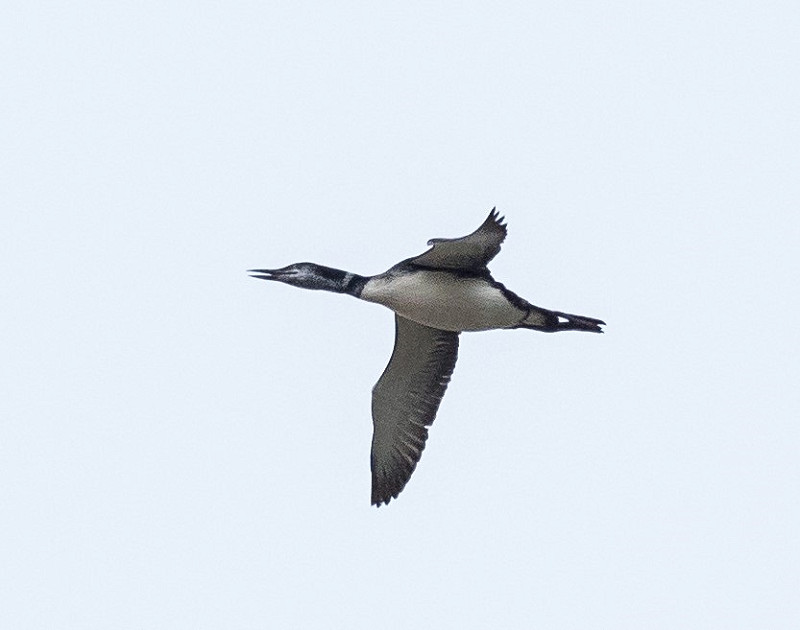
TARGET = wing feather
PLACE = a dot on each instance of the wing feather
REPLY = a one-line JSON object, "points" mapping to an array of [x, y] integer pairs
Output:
{"points": [[469, 253], [405, 401]]}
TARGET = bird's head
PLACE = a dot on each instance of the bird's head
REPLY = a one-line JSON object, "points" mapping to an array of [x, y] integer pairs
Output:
{"points": [[306, 276]]}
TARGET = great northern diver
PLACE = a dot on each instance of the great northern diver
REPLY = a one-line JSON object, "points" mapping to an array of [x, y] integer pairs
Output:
{"points": [[435, 296]]}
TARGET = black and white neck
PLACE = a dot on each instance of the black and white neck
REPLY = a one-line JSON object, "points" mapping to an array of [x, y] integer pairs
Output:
{"points": [[316, 277]]}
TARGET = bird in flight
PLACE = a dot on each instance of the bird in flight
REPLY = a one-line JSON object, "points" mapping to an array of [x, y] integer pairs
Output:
{"points": [[435, 296]]}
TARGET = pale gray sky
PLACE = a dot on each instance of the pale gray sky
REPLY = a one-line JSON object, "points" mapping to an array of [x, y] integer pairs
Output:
{"points": [[184, 447]]}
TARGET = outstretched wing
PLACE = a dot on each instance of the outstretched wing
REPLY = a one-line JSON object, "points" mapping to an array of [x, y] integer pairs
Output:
{"points": [[404, 403], [469, 253]]}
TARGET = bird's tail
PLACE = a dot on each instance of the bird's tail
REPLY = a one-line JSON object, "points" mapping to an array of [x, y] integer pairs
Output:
{"points": [[554, 321]]}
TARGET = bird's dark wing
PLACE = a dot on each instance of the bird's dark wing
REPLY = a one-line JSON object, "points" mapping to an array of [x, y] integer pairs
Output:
{"points": [[469, 253], [404, 403]]}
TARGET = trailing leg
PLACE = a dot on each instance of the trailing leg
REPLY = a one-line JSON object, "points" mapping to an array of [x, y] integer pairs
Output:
{"points": [[555, 321]]}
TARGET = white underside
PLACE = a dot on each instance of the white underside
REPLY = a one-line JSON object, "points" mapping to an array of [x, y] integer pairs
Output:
{"points": [[442, 300]]}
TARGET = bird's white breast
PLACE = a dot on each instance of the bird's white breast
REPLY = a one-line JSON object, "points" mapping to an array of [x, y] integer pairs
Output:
{"points": [[444, 300]]}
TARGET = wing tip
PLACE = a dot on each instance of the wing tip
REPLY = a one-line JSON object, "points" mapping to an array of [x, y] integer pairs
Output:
{"points": [[391, 481], [494, 217], [379, 501], [382, 495]]}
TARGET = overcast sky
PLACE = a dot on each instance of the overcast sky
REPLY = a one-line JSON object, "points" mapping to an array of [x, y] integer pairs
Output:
{"points": [[182, 446]]}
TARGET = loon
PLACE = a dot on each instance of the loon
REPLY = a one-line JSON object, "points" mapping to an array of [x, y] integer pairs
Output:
{"points": [[435, 296]]}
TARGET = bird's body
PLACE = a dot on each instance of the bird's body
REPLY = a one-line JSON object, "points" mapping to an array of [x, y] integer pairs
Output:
{"points": [[444, 299], [435, 296]]}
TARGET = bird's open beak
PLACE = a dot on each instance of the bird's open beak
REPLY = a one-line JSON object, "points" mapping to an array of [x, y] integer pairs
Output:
{"points": [[269, 274], [264, 274]]}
